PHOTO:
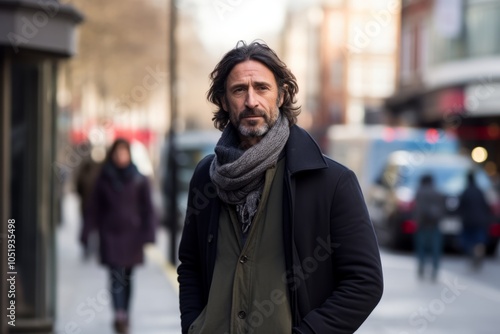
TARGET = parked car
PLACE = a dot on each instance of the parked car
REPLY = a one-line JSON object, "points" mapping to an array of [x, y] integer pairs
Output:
{"points": [[366, 148], [391, 199], [191, 147]]}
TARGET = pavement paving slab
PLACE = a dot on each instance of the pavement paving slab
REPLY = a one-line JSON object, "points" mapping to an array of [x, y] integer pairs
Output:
{"points": [[83, 298]]}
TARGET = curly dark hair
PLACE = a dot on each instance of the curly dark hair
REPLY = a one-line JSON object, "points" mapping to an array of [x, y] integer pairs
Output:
{"points": [[286, 81]]}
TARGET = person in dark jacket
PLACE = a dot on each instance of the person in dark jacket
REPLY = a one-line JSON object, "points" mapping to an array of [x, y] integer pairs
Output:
{"points": [[85, 180], [277, 237], [121, 210], [429, 210], [476, 217]]}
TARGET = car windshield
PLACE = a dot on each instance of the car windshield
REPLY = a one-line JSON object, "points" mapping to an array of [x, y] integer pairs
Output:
{"points": [[449, 180], [187, 160]]}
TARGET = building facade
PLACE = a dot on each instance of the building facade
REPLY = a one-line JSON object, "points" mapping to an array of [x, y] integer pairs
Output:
{"points": [[34, 37], [350, 50], [449, 73]]}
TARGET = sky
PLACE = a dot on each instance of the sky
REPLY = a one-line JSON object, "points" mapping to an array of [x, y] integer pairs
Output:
{"points": [[221, 23]]}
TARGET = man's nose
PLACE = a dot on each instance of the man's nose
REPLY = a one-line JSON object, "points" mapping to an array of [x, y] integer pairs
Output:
{"points": [[251, 100]]}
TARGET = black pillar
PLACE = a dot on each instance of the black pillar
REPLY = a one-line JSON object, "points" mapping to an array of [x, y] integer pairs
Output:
{"points": [[34, 36], [173, 217]]}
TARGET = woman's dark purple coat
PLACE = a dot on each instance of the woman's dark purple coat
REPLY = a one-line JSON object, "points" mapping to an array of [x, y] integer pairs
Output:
{"points": [[123, 214]]}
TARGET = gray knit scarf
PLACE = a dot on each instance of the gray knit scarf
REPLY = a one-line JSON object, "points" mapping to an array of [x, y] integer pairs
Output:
{"points": [[239, 175]]}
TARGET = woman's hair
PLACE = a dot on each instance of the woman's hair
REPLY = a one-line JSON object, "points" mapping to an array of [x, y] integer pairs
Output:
{"points": [[118, 142], [286, 81]]}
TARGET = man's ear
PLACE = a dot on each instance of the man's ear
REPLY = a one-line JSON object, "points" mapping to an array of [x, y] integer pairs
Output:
{"points": [[223, 103], [282, 95]]}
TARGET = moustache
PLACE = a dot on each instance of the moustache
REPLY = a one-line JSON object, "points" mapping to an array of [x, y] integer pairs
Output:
{"points": [[252, 113]]}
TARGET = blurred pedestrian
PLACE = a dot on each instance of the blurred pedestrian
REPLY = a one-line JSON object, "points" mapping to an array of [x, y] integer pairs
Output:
{"points": [[429, 210], [277, 237], [476, 216], [122, 211], [84, 183]]}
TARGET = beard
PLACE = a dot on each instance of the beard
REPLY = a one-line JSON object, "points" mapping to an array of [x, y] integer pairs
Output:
{"points": [[250, 128]]}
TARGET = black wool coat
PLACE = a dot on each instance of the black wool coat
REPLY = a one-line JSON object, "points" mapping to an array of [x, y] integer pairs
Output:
{"points": [[333, 274], [474, 209]]}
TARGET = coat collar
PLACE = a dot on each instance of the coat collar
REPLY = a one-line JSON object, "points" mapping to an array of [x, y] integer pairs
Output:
{"points": [[302, 152]]}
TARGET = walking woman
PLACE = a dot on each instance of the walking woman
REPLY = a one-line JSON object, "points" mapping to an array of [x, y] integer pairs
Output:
{"points": [[121, 210]]}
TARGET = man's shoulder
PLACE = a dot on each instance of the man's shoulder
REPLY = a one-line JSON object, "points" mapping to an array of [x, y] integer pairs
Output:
{"points": [[206, 162], [202, 170], [331, 173], [335, 167], [305, 154]]}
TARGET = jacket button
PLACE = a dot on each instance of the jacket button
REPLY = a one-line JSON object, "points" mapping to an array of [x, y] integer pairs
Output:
{"points": [[242, 315], [210, 238], [243, 259]]}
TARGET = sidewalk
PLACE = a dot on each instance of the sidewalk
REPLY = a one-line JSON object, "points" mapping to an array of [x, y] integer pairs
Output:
{"points": [[83, 300]]}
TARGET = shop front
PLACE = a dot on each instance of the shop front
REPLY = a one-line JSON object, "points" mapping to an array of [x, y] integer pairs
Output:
{"points": [[34, 37]]}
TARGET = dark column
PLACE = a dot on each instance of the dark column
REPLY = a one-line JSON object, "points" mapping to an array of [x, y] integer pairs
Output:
{"points": [[173, 217], [34, 36], [4, 180]]}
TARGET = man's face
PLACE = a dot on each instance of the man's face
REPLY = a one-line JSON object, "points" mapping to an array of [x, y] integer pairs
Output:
{"points": [[252, 99]]}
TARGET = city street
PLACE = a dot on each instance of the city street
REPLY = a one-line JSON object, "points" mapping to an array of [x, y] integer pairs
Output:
{"points": [[83, 298], [460, 302]]}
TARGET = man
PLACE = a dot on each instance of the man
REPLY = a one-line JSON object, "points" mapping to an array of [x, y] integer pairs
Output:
{"points": [[277, 238], [477, 216], [86, 177], [430, 208]]}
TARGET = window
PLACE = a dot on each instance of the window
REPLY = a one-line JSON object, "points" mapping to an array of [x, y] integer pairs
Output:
{"points": [[477, 37], [482, 27], [371, 77]]}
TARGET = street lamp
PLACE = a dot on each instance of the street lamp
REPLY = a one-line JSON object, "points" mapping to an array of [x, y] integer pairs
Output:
{"points": [[172, 215]]}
